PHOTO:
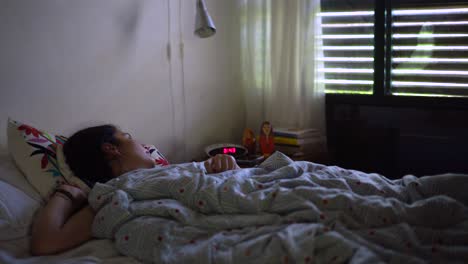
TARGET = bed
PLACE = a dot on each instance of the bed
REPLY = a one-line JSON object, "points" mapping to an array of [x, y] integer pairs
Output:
{"points": [[327, 215]]}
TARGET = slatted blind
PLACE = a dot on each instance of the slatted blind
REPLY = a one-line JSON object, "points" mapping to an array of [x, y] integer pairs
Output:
{"points": [[430, 51], [347, 42]]}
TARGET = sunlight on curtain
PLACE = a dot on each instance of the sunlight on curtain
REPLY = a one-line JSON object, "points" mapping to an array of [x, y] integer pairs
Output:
{"points": [[280, 41]]}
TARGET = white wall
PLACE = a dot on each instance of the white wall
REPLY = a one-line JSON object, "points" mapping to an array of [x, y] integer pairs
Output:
{"points": [[65, 65]]}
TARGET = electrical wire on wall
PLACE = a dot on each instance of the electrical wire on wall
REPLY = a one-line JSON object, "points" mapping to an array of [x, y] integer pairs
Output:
{"points": [[169, 58], [182, 71], [204, 28]]}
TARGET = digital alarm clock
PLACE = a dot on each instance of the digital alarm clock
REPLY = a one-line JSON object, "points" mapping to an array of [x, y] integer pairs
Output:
{"points": [[234, 150]]}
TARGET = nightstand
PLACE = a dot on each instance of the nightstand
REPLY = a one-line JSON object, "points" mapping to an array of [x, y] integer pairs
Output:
{"points": [[320, 157], [250, 162]]}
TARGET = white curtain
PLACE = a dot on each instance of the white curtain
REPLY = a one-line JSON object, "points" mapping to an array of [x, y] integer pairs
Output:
{"points": [[280, 78]]}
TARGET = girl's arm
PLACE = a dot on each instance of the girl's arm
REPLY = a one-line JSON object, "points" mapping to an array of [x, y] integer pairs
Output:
{"points": [[61, 224]]}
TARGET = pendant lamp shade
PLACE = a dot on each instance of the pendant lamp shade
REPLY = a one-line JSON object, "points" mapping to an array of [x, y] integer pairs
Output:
{"points": [[204, 25]]}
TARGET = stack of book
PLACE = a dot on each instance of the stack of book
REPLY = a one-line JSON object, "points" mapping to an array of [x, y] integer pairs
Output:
{"points": [[297, 142]]}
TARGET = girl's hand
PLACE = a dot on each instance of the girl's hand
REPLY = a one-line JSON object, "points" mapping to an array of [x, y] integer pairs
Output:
{"points": [[220, 163], [79, 196]]}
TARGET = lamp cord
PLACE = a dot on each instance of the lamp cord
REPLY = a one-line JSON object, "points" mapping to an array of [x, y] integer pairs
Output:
{"points": [[182, 71], [182, 76], [169, 58]]}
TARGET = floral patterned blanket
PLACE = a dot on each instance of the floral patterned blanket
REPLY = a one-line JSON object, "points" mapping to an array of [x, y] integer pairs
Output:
{"points": [[283, 212]]}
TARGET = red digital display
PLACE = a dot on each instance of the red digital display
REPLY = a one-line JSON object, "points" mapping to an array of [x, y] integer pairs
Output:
{"points": [[229, 150]]}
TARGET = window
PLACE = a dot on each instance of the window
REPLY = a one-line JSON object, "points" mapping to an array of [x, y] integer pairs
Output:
{"points": [[347, 46], [429, 51], [424, 49]]}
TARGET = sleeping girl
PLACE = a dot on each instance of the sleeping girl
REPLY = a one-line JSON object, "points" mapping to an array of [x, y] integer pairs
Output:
{"points": [[278, 212], [95, 154]]}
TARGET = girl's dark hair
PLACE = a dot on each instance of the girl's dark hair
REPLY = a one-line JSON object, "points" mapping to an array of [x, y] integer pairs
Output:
{"points": [[84, 155]]}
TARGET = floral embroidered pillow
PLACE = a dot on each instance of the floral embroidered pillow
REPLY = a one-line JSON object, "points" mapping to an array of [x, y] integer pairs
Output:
{"points": [[35, 153], [159, 159], [39, 155]]}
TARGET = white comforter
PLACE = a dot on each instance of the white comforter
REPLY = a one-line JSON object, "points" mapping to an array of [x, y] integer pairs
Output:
{"points": [[283, 212]]}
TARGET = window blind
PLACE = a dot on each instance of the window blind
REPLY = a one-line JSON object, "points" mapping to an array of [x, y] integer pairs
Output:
{"points": [[430, 51], [347, 41]]}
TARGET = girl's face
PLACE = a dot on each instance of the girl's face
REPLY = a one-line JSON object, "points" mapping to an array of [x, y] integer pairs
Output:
{"points": [[132, 153]]}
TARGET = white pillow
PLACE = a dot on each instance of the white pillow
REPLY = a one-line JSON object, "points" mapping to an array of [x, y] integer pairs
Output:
{"points": [[17, 210], [10, 174]]}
